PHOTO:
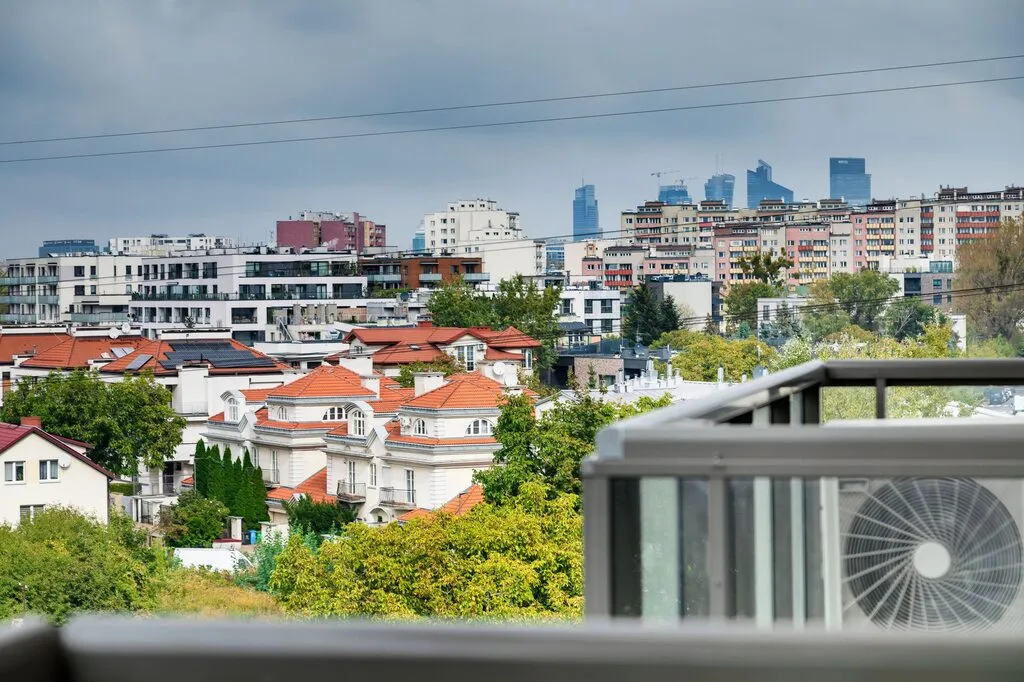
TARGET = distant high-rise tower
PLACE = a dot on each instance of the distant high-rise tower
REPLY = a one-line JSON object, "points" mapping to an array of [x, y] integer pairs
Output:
{"points": [[419, 241], [674, 195], [720, 187], [584, 214], [760, 186], [848, 180]]}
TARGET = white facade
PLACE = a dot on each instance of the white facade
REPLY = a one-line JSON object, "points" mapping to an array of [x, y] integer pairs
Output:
{"points": [[164, 245], [260, 296], [504, 260], [39, 471], [466, 221], [599, 309], [85, 289], [694, 300]]}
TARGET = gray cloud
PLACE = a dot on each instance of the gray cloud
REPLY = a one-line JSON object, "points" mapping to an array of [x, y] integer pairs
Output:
{"points": [[80, 67]]}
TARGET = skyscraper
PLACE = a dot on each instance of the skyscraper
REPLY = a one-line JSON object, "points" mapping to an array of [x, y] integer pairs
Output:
{"points": [[760, 186], [584, 214], [720, 187], [674, 195], [848, 180], [419, 241]]}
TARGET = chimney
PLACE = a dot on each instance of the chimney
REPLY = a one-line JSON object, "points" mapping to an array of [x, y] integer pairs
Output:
{"points": [[32, 421], [425, 323], [372, 382], [427, 381], [360, 364]]}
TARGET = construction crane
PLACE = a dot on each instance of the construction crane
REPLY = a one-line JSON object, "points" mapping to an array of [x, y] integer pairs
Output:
{"points": [[660, 173]]}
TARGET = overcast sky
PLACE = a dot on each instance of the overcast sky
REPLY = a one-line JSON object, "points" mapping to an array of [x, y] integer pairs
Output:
{"points": [[79, 67]]}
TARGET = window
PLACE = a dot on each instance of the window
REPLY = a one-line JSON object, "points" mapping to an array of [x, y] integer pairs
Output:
{"points": [[480, 427], [357, 423], [233, 410], [588, 306], [80, 291], [937, 283], [92, 270], [282, 414], [606, 307], [30, 511], [466, 356], [334, 414], [92, 290], [351, 471], [528, 358], [410, 485], [567, 306], [14, 472], [606, 326], [48, 470], [79, 271], [373, 475], [419, 427]]}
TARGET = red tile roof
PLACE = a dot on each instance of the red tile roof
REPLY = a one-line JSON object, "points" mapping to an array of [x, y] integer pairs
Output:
{"points": [[457, 506], [315, 486], [10, 434], [391, 398], [405, 345], [257, 395], [326, 381], [76, 352], [463, 391], [158, 350], [496, 354], [188, 480], [27, 344], [405, 354], [509, 337]]}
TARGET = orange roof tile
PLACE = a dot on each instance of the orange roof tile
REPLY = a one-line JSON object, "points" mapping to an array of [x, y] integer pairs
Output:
{"points": [[462, 391], [457, 506], [398, 342], [509, 337], [219, 417], [27, 344], [315, 486], [326, 381], [76, 352], [496, 354], [405, 354], [256, 395], [391, 399], [158, 350], [395, 435], [188, 480]]}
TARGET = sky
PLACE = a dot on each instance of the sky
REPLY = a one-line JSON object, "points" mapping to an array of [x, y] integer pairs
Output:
{"points": [[85, 67]]}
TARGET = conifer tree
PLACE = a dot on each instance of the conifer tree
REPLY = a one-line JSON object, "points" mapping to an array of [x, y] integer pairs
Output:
{"points": [[214, 474], [200, 469]]}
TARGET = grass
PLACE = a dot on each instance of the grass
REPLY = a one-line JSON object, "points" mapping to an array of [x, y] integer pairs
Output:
{"points": [[205, 594]]}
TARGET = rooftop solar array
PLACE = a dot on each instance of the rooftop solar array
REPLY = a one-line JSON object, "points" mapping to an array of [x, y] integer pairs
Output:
{"points": [[219, 354], [121, 351], [138, 362]]}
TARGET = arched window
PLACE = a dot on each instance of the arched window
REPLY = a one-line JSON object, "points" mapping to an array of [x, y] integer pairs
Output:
{"points": [[480, 427], [232, 410], [334, 414], [419, 427], [282, 414], [357, 423]]}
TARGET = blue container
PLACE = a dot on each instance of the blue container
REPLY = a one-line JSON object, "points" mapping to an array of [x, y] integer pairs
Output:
{"points": [[252, 537]]}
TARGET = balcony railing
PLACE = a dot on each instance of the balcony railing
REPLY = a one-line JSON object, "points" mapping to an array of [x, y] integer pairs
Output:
{"points": [[29, 298], [266, 296], [42, 279], [430, 277], [96, 648], [745, 506], [350, 491], [21, 318], [398, 497], [384, 277], [96, 318], [477, 276]]}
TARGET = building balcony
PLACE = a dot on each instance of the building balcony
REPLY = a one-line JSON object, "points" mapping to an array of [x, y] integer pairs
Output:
{"points": [[350, 491], [96, 318], [398, 498], [21, 318], [430, 277], [265, 296], [381, 278], [15, 281], [746, 506], [477, 276], [29, 298]]}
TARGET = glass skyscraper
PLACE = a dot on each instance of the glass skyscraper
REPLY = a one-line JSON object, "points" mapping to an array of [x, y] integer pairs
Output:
{"points": [[584, 214], [848, 180], [760, 186], [419, 242], [720, 187], [674, 195]]}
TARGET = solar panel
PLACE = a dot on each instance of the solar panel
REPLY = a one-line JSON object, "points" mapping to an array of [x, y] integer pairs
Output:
{"points": [[121, 351], [138, 362]]}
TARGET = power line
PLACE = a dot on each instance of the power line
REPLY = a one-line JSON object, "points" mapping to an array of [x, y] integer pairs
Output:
{"points": [[499, 124], [540, 100]]}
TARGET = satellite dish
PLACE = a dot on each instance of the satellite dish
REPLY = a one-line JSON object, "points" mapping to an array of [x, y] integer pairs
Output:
{"points": [[499, 368], [64, 461], [510, 380], [113, 333], [125, 328]]}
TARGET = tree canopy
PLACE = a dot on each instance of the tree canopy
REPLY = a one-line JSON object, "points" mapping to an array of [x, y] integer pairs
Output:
{"points": [[765, 267], [195, 521], [445, 364], [996, 262], [700, 355], [741, 301], [127, 422], [849, 298], [645, 318], [306, 515]]}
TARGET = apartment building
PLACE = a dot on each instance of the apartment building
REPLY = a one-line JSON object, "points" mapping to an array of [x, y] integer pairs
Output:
{"points": [[469, 220], [330, 231], [165, 245], [260, 294], [808, 246], [412, 272], [695, 297], [598, 310]]}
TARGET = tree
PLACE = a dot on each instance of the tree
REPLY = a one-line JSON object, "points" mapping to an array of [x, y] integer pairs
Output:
{"points": [[700, 355], [446, 364], [741, 300], [646, 319], [216, 486], [863, 295], [532, 311], [995, 263], [195, 521], [306, 515], [515, 561], [127, 422], [62, 562], [669, 315], [906, 318], [200, 469], [823, 317], [765, 268], [458, 304], [781, 327], [710, 326]]}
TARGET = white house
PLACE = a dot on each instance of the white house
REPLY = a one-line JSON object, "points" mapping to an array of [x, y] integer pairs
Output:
{"points": [[42, 470], [344, 434]]}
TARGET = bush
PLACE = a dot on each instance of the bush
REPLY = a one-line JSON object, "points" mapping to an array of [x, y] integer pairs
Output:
{"points": [[305, 515], [123, 488], [195, 521]]}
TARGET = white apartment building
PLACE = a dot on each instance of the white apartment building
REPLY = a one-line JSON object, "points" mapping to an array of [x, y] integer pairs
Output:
{"points": [[466, 221], [89, 289], [503, 260], [164, 245], [260, 294], [597, 308], [42, 470]]}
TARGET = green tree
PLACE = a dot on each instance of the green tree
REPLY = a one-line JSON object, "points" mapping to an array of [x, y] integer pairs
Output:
{"points": [[782, 326], [906, 318], [823, 317], [63, 562], [457, 304], [700, 355], [216, 485], [522, 560], [996, 263], [127, 422], [446, 364], [531, 310], [766, 268], [862, 295], [195, 521], [200, 469], [645, 318], [669, 315], [741, 301], [306, 515], [710, 326]]}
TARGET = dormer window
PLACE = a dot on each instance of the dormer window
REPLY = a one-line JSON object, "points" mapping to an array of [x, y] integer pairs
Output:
{"points": [[528, 358], [334, 414], [419, 427], [480, 427], [233, 410], [357, 423], [281, 413]]}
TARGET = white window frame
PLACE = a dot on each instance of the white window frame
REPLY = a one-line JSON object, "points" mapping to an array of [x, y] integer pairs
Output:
{"points": [[49, 470], [528, 358], [335, 414], [30, 511], [12, 470], [419, 427], [350, 471], [373, 475], [479, 427], [410, 485], [233, 410], [466, 356], [357, 423]]}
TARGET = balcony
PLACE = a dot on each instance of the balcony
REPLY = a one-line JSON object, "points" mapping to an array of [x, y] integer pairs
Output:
{"points": [[350, 491], [398, 498], [477, 277], [745, 506], [28, 298], [430, 277], [384, 277], [20, 318], [250, 296], [15, 281], [95, 318]]}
